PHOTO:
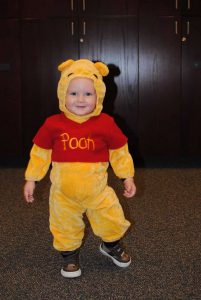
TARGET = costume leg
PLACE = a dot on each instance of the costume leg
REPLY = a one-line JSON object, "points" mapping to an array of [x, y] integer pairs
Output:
{"points": [[66, 221], [106, 216]]}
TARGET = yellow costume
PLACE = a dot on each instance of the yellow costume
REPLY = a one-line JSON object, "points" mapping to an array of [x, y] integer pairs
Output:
{"points": [[80, 186]]}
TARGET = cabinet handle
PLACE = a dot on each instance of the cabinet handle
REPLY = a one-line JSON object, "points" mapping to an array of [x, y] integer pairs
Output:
{"points": [[83, 5], [188, 27], [72, 28], [72, 5], [176, 4], [84, 28], [176, 27], [83, 31], [189, 4]]}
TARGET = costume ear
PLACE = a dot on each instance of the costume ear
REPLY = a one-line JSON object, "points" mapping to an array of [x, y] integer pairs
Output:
{"points": [[102, 68], [65, 64]]}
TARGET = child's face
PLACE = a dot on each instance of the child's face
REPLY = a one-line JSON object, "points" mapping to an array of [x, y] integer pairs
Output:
{"points": [[81, 96]]}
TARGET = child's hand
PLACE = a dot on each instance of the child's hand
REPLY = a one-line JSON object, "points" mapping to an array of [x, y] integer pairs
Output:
{"points": [[129, 187], [29, 188]]}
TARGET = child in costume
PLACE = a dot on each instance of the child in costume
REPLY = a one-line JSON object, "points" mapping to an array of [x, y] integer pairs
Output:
{"points": [[80, 142]]}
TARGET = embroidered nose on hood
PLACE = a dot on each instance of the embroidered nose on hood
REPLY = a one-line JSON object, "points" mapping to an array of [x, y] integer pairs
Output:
{"points": [[84, 68]]}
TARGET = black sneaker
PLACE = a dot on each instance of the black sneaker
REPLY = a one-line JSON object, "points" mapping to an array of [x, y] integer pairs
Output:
{"points": [[117, 255], [71, 268]]}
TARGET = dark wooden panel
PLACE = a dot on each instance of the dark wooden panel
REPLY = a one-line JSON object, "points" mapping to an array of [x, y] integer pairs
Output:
{"points": [[160, 7], [10, 121], [159, 87], [191, 88], [191, 7], [47, 8], [119, 7], [115, 41], [53, 8], [45, 44], [9, 8]]}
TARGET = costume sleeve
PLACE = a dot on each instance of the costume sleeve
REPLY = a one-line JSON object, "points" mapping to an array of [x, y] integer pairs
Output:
{"points": [[39, 163], [122, 162]]}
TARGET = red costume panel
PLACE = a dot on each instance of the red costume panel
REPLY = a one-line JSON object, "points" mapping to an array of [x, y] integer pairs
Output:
{"points": [[89, 141]]}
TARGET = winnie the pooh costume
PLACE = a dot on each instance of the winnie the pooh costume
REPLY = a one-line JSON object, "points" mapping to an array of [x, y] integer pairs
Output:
{"points": [[80, 149]]}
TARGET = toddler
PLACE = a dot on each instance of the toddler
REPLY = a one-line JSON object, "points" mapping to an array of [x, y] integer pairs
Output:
{"points": [[80, 142]]}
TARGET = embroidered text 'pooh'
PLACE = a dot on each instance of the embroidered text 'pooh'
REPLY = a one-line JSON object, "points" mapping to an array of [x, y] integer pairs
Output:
{"points": [[82, 143]]}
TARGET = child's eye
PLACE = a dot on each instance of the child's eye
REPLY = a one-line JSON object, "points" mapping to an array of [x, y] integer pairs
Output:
{"points": [[73, 93], [88, 94]]}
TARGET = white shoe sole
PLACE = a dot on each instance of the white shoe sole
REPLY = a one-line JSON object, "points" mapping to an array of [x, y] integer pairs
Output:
{"points": [[116, 262], [70, 274]]}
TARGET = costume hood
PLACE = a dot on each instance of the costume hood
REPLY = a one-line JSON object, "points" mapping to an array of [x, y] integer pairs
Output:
{"points": [[82, 68]]}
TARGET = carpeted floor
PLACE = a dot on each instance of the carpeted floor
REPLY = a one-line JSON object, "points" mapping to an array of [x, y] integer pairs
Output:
{"points": [[164, 241]]}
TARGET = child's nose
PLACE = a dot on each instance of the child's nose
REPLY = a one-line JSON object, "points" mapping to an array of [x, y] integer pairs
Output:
{"points": [[80, 98]]}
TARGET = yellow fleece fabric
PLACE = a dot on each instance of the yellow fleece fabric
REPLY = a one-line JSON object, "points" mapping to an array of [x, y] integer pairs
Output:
{"points": [[78, 188]]}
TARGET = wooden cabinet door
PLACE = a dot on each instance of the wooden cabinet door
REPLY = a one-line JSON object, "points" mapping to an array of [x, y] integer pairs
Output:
{"points": [[115, 42], [45, 44], [191, 7], [191, 87], [9, 9], [159, 7], [118, 7], [47, 8], [10, 121], [159, 87]]}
